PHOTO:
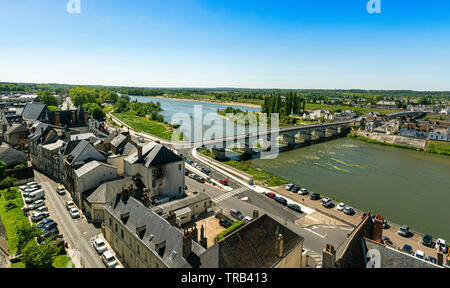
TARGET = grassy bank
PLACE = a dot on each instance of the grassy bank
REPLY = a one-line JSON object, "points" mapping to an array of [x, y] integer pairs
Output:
{"points": [[143, 124], [259, 175], [435, 147]]}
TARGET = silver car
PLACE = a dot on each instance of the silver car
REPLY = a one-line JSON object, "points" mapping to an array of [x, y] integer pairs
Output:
{"points": [[108, 259], [36, 204]]}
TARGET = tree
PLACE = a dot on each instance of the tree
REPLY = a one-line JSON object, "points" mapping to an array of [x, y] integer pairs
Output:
{"points": [[25, 233], [47, 98], [39, 256], [2, 170], [94, 110]]}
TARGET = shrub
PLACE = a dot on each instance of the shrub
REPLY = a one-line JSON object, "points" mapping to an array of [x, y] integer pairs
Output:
{"points": [[231, 229]]}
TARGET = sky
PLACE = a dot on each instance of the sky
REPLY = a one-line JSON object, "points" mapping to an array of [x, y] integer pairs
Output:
{"points": [[294, 44]]}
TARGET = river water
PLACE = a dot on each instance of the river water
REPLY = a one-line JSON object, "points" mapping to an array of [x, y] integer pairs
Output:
{"points": [[406, 187]]}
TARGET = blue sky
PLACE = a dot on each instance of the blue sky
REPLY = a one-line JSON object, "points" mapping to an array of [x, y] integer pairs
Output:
{"points": [[228, 43]]}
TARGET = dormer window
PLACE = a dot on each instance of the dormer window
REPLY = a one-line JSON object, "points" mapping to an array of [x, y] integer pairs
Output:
{"points": [[124, 217], [140, 231]]}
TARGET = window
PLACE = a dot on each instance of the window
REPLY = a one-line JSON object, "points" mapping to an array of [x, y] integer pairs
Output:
{"points": [[179, 167], [153, 183], [160, 181], [138, 250], [154, 172], [110, 222], [121, 233], [179, 190], [115, 227]]}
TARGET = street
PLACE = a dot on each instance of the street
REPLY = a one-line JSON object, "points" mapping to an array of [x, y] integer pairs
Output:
{"points": [[78, 232]]}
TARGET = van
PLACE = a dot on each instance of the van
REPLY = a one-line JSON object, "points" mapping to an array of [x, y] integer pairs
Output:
{"points": [[40, 194], [236, 214]]}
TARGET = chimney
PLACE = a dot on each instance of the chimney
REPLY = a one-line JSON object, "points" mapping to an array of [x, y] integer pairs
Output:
{"points": [[377, 228], [124, 194], [203, 239], [139, 148], [329, 257], [279, 246], [188, 236], [172, 218]]}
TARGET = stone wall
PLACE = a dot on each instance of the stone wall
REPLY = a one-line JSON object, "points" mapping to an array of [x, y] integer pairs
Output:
{"points": [[395, 139]]}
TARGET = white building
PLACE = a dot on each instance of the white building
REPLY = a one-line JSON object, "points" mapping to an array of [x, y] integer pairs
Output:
{"points": [[161, 171], [93, 174]]}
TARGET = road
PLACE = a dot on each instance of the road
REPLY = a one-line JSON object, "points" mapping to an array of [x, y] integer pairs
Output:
{"points": [[77, 232]]}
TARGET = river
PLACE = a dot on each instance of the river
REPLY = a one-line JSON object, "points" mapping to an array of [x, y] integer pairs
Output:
{"points": [[406, 187]]}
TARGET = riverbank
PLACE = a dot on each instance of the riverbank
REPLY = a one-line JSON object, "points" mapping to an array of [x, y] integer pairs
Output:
{"points": [[243, 104], [143, 124], [435, 147], [261, 176]]}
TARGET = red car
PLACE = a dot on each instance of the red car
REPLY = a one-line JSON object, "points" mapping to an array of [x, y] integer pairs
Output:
{"points": [[271, 195], [223, 182]]}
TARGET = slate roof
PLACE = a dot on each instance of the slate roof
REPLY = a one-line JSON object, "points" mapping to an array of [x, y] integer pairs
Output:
{"points": [[107, 191], [88, 167], [159, 228], [127, 149], [117, 141], [182, 203], [84, 136], [33, 111], [154, 154], [254, 245], [11, 156], [57, 145], [16, 128]]}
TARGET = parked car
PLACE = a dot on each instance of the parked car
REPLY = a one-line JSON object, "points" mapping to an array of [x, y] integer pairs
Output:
{"points": [[201, 179], [303, 191], [271, 195], [48, 233], [349, 210], [327, 202], [99, 245], [289, 187], [34, 196], [224, 223], [28, 191], [36, 204], [43, 223], [28, 185], [441, 243], [406, 248], [427, 240], [403, 231], [206, 171], [281, 200], [295, 207], [141, 139], [74, 213], [248, 219], [296, 189], [341, 206], [386, 240], [314, 196], [193, 176], [70, 205], [189, 161], [385, 224], [38, 216], [42, 209], [50, 226], [61, 190], [420, 254], [432, 259], [108, 259], [223, 182], [186, 172], [364, 215], [236, 214]]}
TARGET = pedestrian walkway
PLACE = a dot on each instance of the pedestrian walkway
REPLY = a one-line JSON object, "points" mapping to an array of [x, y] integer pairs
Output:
{"points": [[229, 194]]}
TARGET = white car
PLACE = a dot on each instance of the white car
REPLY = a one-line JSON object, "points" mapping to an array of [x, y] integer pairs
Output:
{"points": [[108, 259], [349, 210], [38, 216], [341, 206], [327, 202], [248, 219], [289, 186], [36, 204], [61, 190], [42, 209], [74, 213], [70, 205], [420, 254], [303, 191], [99, 245], [441, 243]]}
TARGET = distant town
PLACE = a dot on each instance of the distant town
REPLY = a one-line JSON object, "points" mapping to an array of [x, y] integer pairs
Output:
{"points": [[90, 178]]}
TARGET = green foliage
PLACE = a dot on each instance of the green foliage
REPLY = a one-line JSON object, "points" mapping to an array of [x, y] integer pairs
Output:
{"points": [[12, 216], [19, 166], [39, 256], [236, 225], [155, 128], [122, 104], [54, 108], [7, 182], [47, 98], [81, 95], [95, 111], [25, 233], [2, 169]]}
